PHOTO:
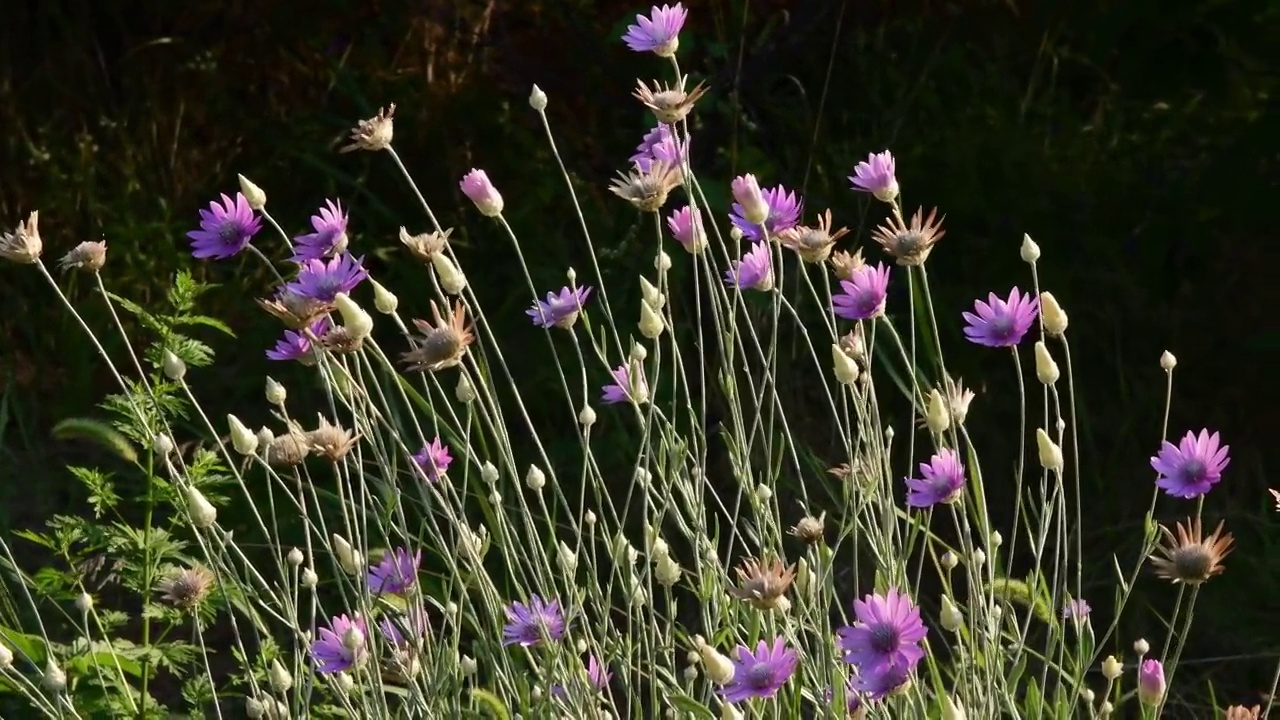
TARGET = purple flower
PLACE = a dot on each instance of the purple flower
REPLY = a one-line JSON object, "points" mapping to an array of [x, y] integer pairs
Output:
{"points": [[762, 674], [340, 646], [476, 186], [329, 238], [754, 271], [1151, 682], [625, 388], [396, 573], [1193, 467], [659, 33], [877, 685], [1000, 323], [295, 345], [943, 481], [784, 213], [876, 176], [225, 228], [888, 632], [559, 309], [321, 280], [852, 696], [433, 459], [660, 145], [406, 629], [598, 673], [1076, 610], [863, 294], [527, 625], [686, 227]]}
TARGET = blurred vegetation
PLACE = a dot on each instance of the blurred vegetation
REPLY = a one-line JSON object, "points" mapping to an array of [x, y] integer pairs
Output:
{"points": [[1136, 142]]}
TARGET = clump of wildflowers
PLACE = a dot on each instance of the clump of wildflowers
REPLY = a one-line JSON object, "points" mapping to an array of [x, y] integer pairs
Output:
{"points": [[433, 459], [322, 280], [863, 295], [396, 573], [782, 212]]}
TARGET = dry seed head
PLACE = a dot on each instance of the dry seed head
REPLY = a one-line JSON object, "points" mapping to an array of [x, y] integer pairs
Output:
{"points": [[647, 189], [1240, 712], [1189, 557], [294, 310], [374, 133], [186, 588], [341, 340], [89, 256], [910, 243], [443, 344], [289, 449], [23, 245], [809, 529], [427, 245], [669, 104], [763, 583], [813, 244], [330, 440]]}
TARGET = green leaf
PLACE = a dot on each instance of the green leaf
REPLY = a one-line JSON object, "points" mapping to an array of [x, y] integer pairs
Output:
{"points": [[691, 707]]}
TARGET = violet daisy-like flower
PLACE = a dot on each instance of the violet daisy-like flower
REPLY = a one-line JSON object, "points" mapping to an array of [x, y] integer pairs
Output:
{"points": [[528, 625], [396, 573], [323, 280], [660, 145], [1001, 323], [754, 271], [784, 213], [225, 228], [559, 309], [880, 683], [686, 227], [341, 646], [659, 33], [329, 238], [762, 673], [296, 345], [1192, 467], [628, 386], [876, 176], [942, 482], [863, 295], [888, 632], [433, 459]]}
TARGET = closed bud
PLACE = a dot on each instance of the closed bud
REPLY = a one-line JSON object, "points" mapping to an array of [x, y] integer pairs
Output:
{"points": [[84, 603], [348, 558], [384, 301], [468, 665], [587, 416], [662, 262], [356, 321], [537, 99], [489, 472], [203, 513], [719, 668], [294, 557], [952, 709], [6, 657], [308, 578], [1151, 684], [729, 712], [1050, 453], [937, 416], [666, 571], [281, 680], [253, 194], [244, 440], [949, 560], [1167, 361], [1111, 668], [650, 293], [746, 190], [172, 366], [451, 278], [846, 369], [1141, 646], [276, 394], [162, 445], [651, 325], [465, 392], [566, 557], [53, 679], [951, 618], [1046, 368], [1054, 317], [1030, 251], [535, 479]]}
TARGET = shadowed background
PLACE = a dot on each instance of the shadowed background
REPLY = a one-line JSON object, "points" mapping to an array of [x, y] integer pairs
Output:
{"points": [[1136, 142]]}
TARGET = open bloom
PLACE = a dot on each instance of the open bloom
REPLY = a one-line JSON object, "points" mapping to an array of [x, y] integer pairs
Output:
{"points": [[686, 227], [876, 176], [762, 673], [1190, 557], [659, 33], [527, 625], [297, 345], [783, 214], [433, 459], [1001, 323], [660, 145], [863, 295], [225, 228], [323, 280], [396, 573], [341, 646], [942, 482], [888, 632], [754, 271], [329, 238], [1193, 467], [628, 385], [559, 309]]}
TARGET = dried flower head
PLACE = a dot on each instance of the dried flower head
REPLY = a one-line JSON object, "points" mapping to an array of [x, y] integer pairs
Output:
{"points": [[289, 449], [845, 265], [910, 244], [1189, 557], [1240, 712], [374, 133], [669, 104], [186, 588], [443, 343], [763, 582], [330, 440], [810, 530], [812, 244], [427, 245], [647, 188], [340, 340], [23, 245], [89, 256], [1275, 494], [295, 310]]}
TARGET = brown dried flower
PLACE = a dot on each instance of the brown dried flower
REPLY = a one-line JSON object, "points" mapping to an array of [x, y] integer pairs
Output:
{"points": [[374, 133], [330, 440], [23, 245], [186, 588], [845, 265], [910, 244], [647, 189], [669, 104], [812, 244], [443, 344], [289, 449], [89, 256], [1191, 558], [763, 583], [427, 245], [810, 530], [1240, 712], [340, 340], [294, 310]]}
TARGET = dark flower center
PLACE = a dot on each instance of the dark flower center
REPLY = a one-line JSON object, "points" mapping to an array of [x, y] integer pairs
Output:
{"points": [[1192, 563], [1002, 326], [760, 676], [1194, 470], [884, 638], [229, 232]]}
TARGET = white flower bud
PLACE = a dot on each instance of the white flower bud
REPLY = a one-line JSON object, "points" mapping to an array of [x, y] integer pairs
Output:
{"points": [[1030, 251], [1054, 317], [203, 513], [537, 99], [950, 618], [952, 709], [650, 293], [979, 558], [353, 638], [589, 518], [804, 578], [275, 392], [468, 665], [638, 353], [281, 680], [345, 682], [54, 679], [309, 578], [489, 472], [667, 571], [764, 493], [244, 440], [729, 712], [651, 325], [662, 262], [356, 321], [1087, 695], [6, 657], [162, 445], [255, 196], [937, 416], [535, 479], [1141, 646], [84, 603], [746, 190], [451, 278], [349, 559], [567, 558], [1167, 361], [719, 668], [587, 416], [846, 368], [172, 366], [949, 560], [1112, 669], [996, 539], [384, 301], [294, 557], [465, 392], [1050, 453], [265, 437], [451, 608], [254, 709], [1046, 368]]}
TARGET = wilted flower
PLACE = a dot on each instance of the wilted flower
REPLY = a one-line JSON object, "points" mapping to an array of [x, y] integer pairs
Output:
{"points": [[528, 625], [762, 673], [863, 295], [809, 529], [670, 104], [763, 583], [297, 345], [1001, 323], [225, 228], [647, 186], [396, 573], [845, 264], [659, 33], [943, 481], [331, 441], [628, 385], [784, 212], [90, 256], [1151, 682], [559, 309], [433, 459], [876, 176], [443, 343], [887, 633], [1191, 558], [1275, 494], [812, 244], [289, 449], [426, 245], [1193, 467], [476, 185], [686, 227], [374, 133], [23, 245], [958, 400], [660, 145], [754, 271], [329, 238], [1240, 712], [341, 646], [296, 311], [186, 588], [910, 244], [323, 280]]}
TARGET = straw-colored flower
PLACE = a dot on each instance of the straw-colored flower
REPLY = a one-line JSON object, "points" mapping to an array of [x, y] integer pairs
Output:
{"points": [[1189, 557], [374, 133], [763, 582], [910, 244], [443, 343]]}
